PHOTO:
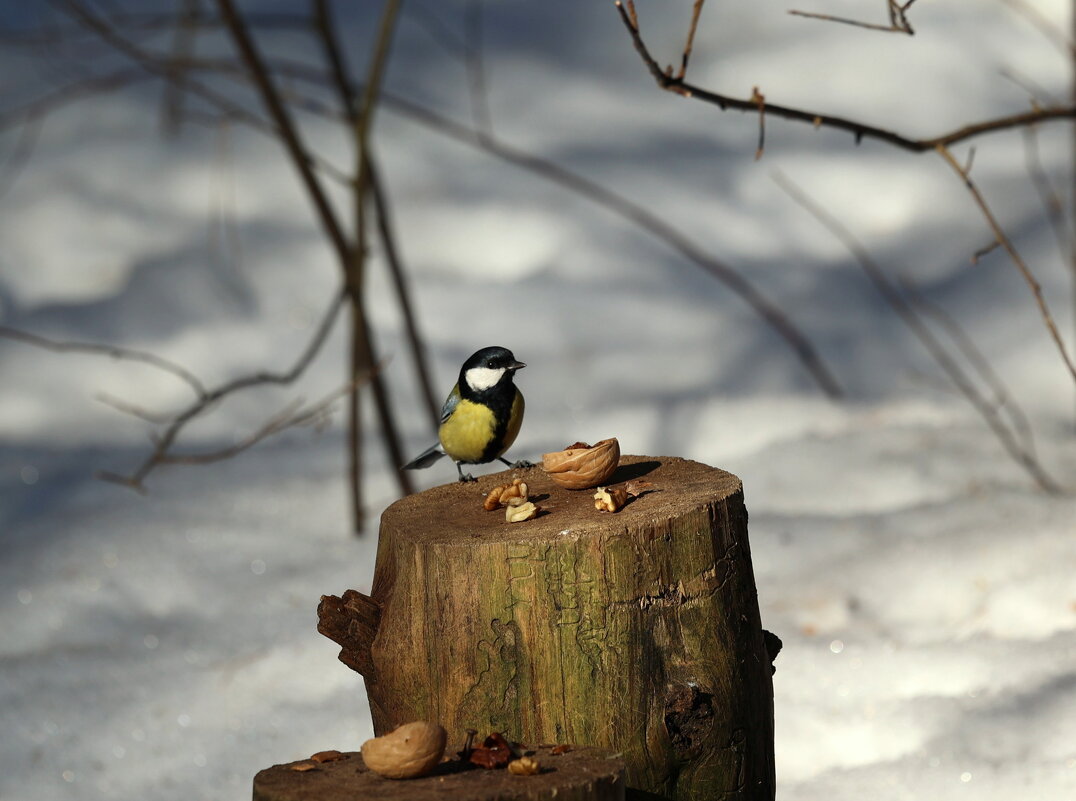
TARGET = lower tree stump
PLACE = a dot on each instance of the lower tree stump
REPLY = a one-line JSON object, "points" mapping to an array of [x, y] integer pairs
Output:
{"points": [[582, 774], [637, 632]]}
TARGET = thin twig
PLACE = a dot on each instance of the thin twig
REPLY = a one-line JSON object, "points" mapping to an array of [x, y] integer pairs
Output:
{"points": [[911, 318], [898, 19], [183, 36], [23, 151], [284, 125], [476, 74], [634, 212], [1003, 398], [156, 66], [1014, 256], [120, 405], [362, 353], [166, 439], [117, 352], [293, 415], [1048, 29], [403, 295], [760, 100], [858, 129], [696, 11], [1051, 200]]}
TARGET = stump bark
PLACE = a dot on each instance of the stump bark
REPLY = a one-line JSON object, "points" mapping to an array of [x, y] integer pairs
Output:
{"points": [[637, 631]]}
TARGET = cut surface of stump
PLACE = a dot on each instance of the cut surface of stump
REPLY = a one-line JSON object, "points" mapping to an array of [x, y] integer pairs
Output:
{"points": [[637, 631], [581, 774]]}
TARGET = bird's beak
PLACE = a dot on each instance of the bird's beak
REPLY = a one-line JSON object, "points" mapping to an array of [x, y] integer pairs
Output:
{"points": [[516, 366]]}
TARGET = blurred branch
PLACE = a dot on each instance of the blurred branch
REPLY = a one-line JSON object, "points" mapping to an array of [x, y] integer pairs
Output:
{"points": [[136, 24], [350, 256], [898, 18], [1052, 202], [157, 66], [112, 351], [1003, 398], [1024, 456], [184, 32], [476, 73], [21, 153], [291, 416], [289, 134], [162, 452], [638, 214], [1048, 29], [667, 81], [403, 295], [1014, 256], [633, 212]]}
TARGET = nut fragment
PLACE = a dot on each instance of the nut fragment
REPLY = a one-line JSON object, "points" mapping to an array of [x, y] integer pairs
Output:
{"points": [[413, 749], [519, 510], [581, 466], [326, 756], [610, 500], [524, 766], [499, 496]]}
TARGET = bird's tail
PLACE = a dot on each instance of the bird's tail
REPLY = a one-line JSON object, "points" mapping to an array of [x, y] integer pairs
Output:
{"points": [[426, 458]]}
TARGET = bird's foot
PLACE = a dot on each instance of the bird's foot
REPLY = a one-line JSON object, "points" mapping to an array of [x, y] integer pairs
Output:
{"points": [[519, 464], [465, 478]]}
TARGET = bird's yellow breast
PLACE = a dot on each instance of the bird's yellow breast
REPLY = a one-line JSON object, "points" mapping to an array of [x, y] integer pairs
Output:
{"points": [[471, 434], [466, 434]]}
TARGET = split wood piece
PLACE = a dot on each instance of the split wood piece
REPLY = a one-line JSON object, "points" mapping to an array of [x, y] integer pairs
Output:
{"points": [[637, 631], [582, 774]]}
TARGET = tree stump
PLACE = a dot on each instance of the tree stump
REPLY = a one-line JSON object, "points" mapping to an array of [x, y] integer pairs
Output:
{"points": [[637, 631], [582, 774]]}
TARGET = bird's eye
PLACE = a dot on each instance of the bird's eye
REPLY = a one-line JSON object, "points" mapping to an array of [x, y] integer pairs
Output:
{"points": [[489, 363]]}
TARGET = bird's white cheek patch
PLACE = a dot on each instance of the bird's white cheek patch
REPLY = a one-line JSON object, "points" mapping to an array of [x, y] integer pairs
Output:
{"points": [[480, 378]]}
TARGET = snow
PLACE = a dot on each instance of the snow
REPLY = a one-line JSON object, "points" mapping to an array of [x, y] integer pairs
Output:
{"points": [[164, 646]]}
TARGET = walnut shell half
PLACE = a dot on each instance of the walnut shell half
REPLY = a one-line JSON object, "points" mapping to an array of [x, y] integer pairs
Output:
{"points": [[583, 467]]}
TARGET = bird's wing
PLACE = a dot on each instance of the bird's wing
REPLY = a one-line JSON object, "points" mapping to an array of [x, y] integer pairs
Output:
{"points": [[451, 402]]}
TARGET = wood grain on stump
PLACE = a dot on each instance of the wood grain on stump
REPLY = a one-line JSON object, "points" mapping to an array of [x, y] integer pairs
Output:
{"points": [[637, 631], [584, 774]]}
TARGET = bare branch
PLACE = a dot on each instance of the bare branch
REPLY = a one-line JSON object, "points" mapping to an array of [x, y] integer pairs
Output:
{"points": [[1003, 398], [696, 11], [164, 442], [638, 214], [898, 19], [1014, 256], [112, 351], [909, 315], [859, 130], [760, 101], [1051, 200], [403, 295], [1051, 32], [476, 75], [288, 132]]}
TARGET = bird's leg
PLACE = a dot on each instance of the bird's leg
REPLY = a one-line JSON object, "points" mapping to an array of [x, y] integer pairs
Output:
{"points": [[520, 464], [464, 477]]}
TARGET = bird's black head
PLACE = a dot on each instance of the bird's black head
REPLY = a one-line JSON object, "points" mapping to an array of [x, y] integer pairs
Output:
{"points": [[488, 368]]}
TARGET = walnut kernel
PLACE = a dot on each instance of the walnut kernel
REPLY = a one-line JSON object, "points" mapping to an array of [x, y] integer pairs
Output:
{"points": [[499, 496], [524, 766], [519, 510], [610, 500]]}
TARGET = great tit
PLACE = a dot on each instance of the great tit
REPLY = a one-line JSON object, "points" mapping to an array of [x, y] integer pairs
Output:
{"points": [[481, 415]]}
